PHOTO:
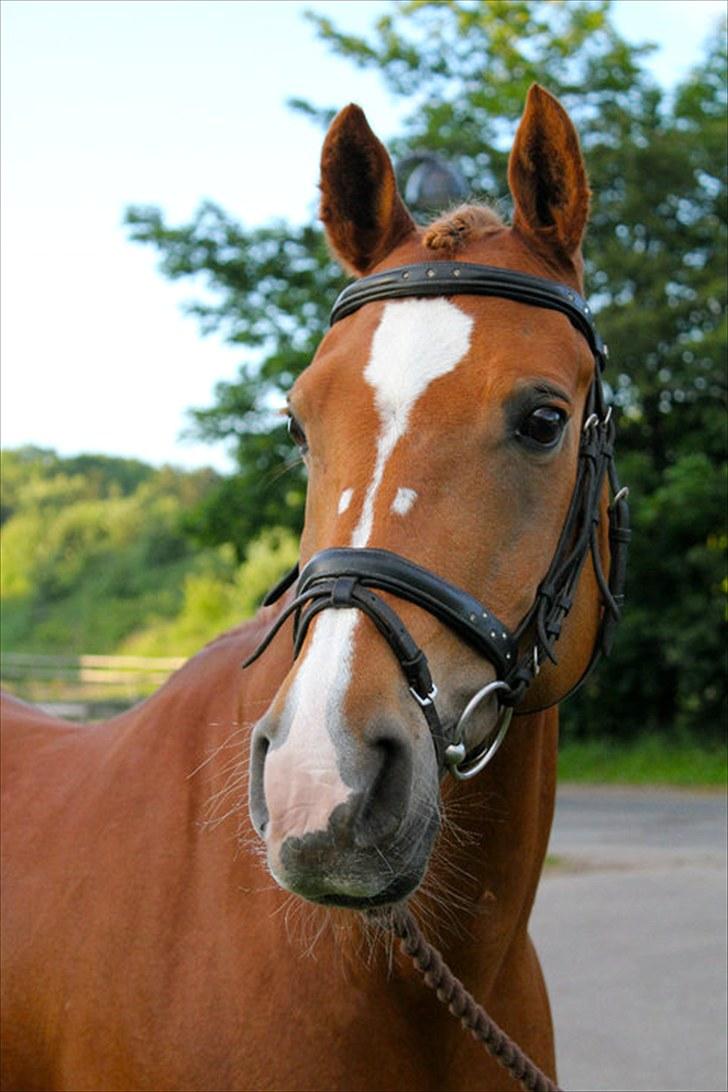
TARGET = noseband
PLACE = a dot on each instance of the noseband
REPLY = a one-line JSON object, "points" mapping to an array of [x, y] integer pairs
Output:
{"points": [[345, 578]]}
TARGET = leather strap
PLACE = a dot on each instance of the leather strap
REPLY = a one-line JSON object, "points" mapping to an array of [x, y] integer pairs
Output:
{"points": [[390, 572], [446, 278], [333, 588]]}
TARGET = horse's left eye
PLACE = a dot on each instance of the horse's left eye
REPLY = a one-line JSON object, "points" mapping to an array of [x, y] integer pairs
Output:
{"points": [[543, 426], [297, 434]]}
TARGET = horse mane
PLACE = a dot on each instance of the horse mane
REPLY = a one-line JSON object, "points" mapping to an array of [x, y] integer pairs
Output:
{"points": [[462, 225]]}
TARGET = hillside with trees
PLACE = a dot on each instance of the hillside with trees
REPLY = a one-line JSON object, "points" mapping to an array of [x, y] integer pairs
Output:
{"points": [[99, 555]]}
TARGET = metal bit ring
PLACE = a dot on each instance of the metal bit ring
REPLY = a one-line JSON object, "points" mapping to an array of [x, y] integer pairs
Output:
{"points": [[462, 765]]}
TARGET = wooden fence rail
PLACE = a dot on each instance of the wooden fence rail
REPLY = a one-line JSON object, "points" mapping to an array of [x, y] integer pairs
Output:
{"points": [[85, 680]]}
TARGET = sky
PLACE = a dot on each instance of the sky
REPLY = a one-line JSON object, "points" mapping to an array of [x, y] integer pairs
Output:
{"points": [[107, 103]]}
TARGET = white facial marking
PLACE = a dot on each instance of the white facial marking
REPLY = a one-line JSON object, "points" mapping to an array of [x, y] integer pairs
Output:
{"points": [[404, 500], [415, 343], [345, 500], [302, 783]]}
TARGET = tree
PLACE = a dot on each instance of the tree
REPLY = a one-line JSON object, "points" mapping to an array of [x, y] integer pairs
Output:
{"points": [[655, 262], [93, 547], [274, 286]]}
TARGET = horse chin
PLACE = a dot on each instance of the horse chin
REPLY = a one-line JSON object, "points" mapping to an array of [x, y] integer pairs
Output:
{"points": [[353, 877]]}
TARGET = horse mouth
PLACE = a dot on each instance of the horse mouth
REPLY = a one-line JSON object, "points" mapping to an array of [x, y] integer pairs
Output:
{"points": [[326, 869], [397, 892]]}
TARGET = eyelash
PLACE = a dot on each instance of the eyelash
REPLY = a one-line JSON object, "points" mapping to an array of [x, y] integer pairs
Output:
{"points": [[295, 431]]}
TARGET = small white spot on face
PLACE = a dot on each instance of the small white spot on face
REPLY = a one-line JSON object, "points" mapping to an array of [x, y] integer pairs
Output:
{"points": [[403, 501], [345, 500]]}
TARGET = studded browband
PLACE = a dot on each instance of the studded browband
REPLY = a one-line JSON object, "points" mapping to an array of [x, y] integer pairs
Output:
{"points": [[465, 278], [345, 578]]}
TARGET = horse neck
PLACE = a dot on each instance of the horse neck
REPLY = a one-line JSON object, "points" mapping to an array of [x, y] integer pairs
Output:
{"points": [[194, 720], [495, 835]]}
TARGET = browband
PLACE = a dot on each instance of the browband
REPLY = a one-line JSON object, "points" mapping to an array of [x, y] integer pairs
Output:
{"points": [[445, 278]]}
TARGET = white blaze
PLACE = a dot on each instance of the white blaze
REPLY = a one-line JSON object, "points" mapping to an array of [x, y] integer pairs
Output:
{"points": [[302, 783], [416, 342]]}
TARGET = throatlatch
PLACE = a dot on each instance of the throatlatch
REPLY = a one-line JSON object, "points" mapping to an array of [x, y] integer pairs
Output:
{"points": [[345, 578]]}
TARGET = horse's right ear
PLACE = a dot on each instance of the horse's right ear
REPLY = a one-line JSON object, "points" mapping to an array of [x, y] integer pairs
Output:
{"points": [[362, 212]]}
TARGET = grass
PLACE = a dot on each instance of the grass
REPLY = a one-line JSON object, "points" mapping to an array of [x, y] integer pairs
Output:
{"points": [[649, 760]]}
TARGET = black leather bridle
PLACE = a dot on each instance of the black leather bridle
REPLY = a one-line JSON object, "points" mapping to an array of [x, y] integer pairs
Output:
{"points": [[345, 578]]}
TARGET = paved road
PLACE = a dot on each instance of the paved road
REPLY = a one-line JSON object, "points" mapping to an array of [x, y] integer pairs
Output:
{"points": [[630, 924]]}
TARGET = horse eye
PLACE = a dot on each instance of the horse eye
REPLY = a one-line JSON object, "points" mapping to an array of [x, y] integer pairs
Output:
{"points": [[543, 426], [297, 434]]}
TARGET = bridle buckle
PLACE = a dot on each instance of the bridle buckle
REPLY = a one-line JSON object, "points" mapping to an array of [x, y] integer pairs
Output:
{"points": [[428, 699]]}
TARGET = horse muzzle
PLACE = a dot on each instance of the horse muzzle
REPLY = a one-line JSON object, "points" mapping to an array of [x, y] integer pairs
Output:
{"points": [[349, 820]]}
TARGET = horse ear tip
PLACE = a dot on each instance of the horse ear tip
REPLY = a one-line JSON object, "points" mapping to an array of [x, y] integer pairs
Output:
{"points": [[538, 95], [352, 114], [350, 122]]}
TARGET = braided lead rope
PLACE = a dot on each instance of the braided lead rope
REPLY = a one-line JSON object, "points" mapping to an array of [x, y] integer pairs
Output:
{"points": [[451, 992]]}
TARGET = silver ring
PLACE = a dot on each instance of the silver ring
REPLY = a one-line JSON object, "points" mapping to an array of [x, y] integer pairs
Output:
{"points": [[462, 766]]}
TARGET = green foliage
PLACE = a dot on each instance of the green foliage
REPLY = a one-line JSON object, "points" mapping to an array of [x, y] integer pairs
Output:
{"points": [[218, 599], [268, 490], [96, 558], [655, 264], [273, 287], [92, 547], [38, 477], [647, 760]]}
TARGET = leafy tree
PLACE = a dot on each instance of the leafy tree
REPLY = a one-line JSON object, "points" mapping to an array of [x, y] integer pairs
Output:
{"points": [[39, 476], [218, 598], [92, 547], [274, 286], [655, 262], [96, 558]]}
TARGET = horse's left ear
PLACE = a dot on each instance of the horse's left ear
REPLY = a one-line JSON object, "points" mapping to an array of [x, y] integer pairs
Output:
{"points": [[547, 177], [361, 209]]}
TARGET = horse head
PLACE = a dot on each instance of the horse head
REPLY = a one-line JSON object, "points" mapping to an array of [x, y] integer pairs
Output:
{"points": [[449, 532]]}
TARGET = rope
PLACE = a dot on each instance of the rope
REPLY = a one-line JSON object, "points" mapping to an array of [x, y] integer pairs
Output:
{"points": [[451, 992]]}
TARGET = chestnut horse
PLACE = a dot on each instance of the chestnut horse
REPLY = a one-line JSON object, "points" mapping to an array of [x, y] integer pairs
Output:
{"points": [[157, 932]]}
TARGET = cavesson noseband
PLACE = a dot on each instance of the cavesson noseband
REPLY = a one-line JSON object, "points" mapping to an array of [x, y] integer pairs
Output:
{"points": [[346, 578]]}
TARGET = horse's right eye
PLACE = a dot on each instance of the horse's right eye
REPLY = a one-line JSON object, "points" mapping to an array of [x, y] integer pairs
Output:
{"points": [[297, 434]]}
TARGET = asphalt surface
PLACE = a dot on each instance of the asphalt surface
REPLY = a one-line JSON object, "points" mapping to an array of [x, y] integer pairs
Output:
{"points": [[630, 924]]}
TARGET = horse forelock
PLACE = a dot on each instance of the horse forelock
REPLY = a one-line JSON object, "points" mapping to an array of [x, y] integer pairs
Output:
{"points": [[460, 226]]}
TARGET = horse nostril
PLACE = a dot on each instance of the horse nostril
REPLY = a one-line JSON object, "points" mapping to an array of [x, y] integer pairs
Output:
{"points": [[256, 792], [386, 800]]}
